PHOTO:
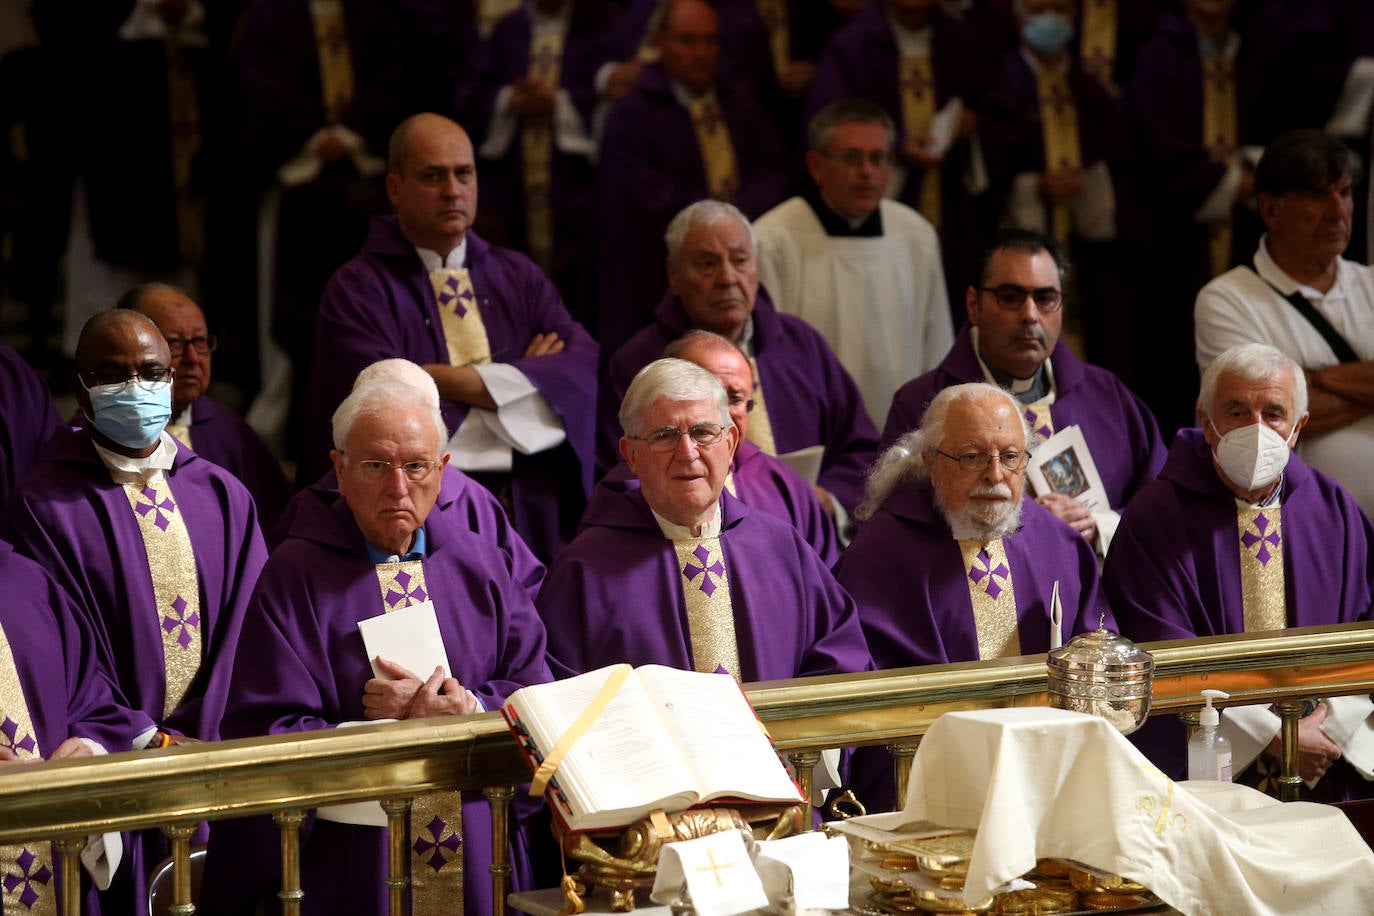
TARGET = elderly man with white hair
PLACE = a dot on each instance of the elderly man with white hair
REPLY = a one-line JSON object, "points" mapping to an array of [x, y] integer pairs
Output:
{"points": [[1239, 535], [378, 550], [676, 572]]}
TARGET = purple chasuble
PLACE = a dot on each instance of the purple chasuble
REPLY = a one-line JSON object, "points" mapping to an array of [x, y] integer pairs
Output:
{"points": [[221, 436], [307, 672], [381, 304], [1120, 430], [27, 419], [1174, 570], [460, 497], [615, 595], [811, 399]]}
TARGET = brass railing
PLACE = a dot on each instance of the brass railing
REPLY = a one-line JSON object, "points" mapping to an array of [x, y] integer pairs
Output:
{"points": [[285, 775]]}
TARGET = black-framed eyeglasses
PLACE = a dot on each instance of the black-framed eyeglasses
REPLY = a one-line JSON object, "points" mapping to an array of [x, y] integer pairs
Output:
{"points": [[977, 462], [854, 158], [203, 344], [149, 378], [1011, 296], [665, 438], [377, 469]]}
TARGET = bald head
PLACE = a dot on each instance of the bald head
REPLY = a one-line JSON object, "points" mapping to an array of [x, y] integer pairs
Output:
{"points": [[432, 181], [113, 332], [182, 325], [114, 347], [689, 44], [723, 359]]}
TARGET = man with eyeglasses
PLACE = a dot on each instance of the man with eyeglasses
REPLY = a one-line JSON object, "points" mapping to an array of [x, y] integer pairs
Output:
{"points": [[862, 270], [676, 572], [1015, 312], [158, 548], [379, 550], [953, 561], [198, 421]]}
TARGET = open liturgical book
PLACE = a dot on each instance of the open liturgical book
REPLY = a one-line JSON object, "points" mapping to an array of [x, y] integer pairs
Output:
{"points": [[614, 744]]}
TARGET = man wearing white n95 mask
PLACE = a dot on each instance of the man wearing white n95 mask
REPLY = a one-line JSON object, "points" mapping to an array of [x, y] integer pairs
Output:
{"points": [[1239, 535]]}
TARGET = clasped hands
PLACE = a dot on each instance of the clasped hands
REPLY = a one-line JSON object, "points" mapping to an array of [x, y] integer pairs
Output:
{"points": [[403, 695]]}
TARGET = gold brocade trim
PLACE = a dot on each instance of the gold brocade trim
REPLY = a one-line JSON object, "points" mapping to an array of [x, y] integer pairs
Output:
{"points": [[536, 152], [335, 58], [176, 584], [1097, 50], [710, 614], [464, 331], [760, 427], [717, 151], [774, 16], [1038, 417], [1063, 152], [1262, 589], [181, 433], [916, 79], [1219, 137], [27, 879], [994, 601], [436, 819]]}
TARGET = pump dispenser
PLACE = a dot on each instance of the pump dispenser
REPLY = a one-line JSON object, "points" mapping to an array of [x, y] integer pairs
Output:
{"points": [[1209, 751]]}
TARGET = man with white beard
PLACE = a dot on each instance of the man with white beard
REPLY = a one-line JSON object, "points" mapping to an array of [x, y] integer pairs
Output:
{"points": [[953, 562]]}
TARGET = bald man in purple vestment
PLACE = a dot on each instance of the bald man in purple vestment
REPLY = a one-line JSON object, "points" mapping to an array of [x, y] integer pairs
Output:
{"points": [[953, 562], [517, 375], [803, 395], [158, 548], [675, 572], [377, 549], [1239, 535], [27, 418]]}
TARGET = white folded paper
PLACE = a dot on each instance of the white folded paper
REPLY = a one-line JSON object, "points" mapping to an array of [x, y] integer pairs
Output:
{"points": [[810, 871], [409, 637], [717, 871]]}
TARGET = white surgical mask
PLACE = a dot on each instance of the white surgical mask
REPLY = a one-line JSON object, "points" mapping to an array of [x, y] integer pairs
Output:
{"points": [[1252, 456]]}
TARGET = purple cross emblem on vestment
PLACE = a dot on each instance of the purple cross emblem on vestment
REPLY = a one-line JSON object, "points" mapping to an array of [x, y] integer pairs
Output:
{"points": [[405, 596], [10, 737], [916, 83], [1043, 430], [179, 618], [690, 572], [152, 505], [452, 296], [27, 877], [1260, 533], [979, 571], [434, 848]]}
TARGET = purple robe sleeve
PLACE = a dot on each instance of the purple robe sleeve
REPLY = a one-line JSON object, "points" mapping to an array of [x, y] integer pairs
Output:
{"points": [[27, 419]]}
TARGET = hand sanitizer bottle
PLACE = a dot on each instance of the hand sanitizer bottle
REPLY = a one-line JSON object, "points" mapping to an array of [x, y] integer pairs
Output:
{"points": [[1209, 751]]}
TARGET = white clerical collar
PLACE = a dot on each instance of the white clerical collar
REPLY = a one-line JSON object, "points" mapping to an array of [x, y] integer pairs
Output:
{"points": [[674, 532], [433, 261], [1038, 66], [183, 418], [851, 223], [1018, 385], [1273, 501], [1275, 276], [161, 459], [684, 95], [911, 42], [746, 336]]}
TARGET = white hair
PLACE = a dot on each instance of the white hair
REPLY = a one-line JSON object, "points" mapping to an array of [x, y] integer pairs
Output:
{"points": [[905, 458], [676, 380], [399, 370], [703, 213], [382, 397], [1252, 362]]}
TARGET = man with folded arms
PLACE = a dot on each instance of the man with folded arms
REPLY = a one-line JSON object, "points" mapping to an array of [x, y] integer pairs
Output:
{"points": [[1239, 535]]}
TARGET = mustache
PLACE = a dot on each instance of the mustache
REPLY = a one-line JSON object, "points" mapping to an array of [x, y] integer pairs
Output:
{"points": [[998, 490], [1032, 332]]}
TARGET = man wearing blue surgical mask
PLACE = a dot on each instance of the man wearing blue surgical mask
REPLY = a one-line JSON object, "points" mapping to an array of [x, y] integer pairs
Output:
{"points": [[1239, 535], [158, 548]]}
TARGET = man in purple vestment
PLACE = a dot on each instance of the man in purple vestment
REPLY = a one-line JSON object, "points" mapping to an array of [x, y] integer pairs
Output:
{"points": [[801, 389], [378, 548], [680, 134], [27, 419], [517, 375], [199, 422], [158, 548], [953, 561], [1239, 535], [675, 572], [1012, 339]]}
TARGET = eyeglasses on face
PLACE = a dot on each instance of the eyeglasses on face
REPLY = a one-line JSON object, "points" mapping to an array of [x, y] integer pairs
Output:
{"points": [[665, 438], [977, 462], [149, 378], [1011, 297], [376, 469], [854, 158], [203, 344]]}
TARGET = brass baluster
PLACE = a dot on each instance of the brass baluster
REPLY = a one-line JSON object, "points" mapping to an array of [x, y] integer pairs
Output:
{"points": [[397, 873], [290, 895], [902, 753], [69, 852], [805, 764], [180, 835], [498, 798], [1290, 711]]}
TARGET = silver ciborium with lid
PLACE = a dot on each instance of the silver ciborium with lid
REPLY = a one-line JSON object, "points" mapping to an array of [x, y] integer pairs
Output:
{"points": [[1104, 674]]}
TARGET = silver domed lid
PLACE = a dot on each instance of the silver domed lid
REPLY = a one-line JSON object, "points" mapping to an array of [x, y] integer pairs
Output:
{"points": [[1101, 651]]}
